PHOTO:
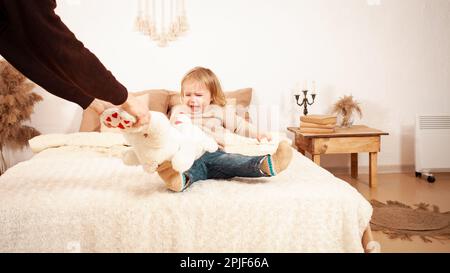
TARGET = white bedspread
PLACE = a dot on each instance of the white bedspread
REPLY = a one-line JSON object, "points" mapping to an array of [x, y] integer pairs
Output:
{"points": [[72, 198]]}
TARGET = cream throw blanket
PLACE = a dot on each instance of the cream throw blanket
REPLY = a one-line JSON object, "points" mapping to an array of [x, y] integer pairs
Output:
{"points": [[79, 196]]}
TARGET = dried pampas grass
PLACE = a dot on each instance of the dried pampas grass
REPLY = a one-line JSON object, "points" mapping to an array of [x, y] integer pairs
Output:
{"points": [[16, 106], [346, 107]]}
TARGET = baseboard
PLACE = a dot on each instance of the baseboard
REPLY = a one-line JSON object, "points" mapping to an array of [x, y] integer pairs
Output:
{"points": [[381, 169]]}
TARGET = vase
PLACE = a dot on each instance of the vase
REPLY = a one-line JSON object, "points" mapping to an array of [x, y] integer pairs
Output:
{"points": [[345, 121]]}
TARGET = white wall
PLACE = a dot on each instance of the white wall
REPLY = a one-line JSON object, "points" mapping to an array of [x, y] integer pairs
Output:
{"points": [[392, 55]]}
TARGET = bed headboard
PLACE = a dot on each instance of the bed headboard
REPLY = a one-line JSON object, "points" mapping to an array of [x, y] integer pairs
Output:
{"points": [[162, 100]]}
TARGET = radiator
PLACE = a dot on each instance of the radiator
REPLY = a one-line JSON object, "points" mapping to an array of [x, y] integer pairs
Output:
{"points": [[432, 143]]}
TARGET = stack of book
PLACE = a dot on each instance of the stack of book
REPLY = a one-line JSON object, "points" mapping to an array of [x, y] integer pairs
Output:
{"points": [[314, 124]]}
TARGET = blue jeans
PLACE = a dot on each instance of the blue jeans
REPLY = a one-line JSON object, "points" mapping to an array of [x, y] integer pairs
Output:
{"points": [[222, 165]]}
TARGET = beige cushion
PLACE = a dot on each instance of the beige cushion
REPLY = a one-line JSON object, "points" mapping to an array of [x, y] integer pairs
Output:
{"points": [[157, 99], [240, 98], [243, 97], [163, 100]]}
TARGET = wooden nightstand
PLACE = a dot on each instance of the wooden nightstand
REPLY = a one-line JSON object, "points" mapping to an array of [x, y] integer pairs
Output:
{"points": [[354, 140]]}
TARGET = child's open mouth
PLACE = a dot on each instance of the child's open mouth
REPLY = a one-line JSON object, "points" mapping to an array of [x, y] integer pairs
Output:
{"points": [[195, 109]]}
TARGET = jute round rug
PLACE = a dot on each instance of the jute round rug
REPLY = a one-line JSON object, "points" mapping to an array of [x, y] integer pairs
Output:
{"points": [[398, 220]]}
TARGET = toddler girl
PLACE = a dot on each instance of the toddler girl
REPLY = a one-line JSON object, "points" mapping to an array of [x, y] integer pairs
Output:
{"points": [[204, 101]]}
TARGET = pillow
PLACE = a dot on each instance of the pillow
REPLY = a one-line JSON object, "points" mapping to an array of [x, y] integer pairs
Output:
{"points": [[55, 115], [163, 100], [240, 98], [251, 147], [85, 139], [157, 99], [243, 97]]}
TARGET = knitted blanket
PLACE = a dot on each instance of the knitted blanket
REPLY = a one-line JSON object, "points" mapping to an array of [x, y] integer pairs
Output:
{"points": [[81, 197]]}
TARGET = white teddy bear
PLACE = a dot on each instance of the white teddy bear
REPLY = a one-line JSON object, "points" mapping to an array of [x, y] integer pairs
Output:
{"points": [[159, 141], [194, 142]]}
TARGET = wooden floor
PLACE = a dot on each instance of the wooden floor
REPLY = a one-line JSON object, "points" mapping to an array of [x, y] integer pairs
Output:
{"points": [[408, 189]]}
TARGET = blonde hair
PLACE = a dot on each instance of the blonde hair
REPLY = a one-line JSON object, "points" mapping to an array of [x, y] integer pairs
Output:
{"points": [[210, 80]]}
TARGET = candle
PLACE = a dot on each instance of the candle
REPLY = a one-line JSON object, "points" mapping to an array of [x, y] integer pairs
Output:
{"points": [[314, 88], [305, 85]]}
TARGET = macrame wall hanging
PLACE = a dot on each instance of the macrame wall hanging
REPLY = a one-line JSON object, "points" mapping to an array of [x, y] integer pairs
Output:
{"points": [[162, 20]]}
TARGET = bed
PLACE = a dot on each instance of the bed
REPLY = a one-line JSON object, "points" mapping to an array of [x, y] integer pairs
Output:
{"points": [[76, 195]]}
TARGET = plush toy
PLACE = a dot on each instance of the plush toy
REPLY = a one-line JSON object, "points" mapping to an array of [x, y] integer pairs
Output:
{"points": [[159, 141], [194, 143]]}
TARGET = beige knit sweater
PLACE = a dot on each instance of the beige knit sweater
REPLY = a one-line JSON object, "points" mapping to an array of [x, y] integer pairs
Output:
{"points": [[217, 121]]}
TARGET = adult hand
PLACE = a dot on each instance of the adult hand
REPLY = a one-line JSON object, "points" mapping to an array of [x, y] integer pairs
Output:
{"points": [[98, 106], [261, 136], [138, 109]]}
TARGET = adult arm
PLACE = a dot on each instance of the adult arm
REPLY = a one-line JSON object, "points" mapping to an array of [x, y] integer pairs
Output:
{"points": [[35, 41]]}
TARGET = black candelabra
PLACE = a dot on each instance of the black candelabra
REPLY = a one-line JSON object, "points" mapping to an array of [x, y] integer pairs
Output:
{"points": [[305, 101]]}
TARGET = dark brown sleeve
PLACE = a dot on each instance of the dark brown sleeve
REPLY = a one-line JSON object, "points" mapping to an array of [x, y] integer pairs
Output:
{"points": [[35, 40]]}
